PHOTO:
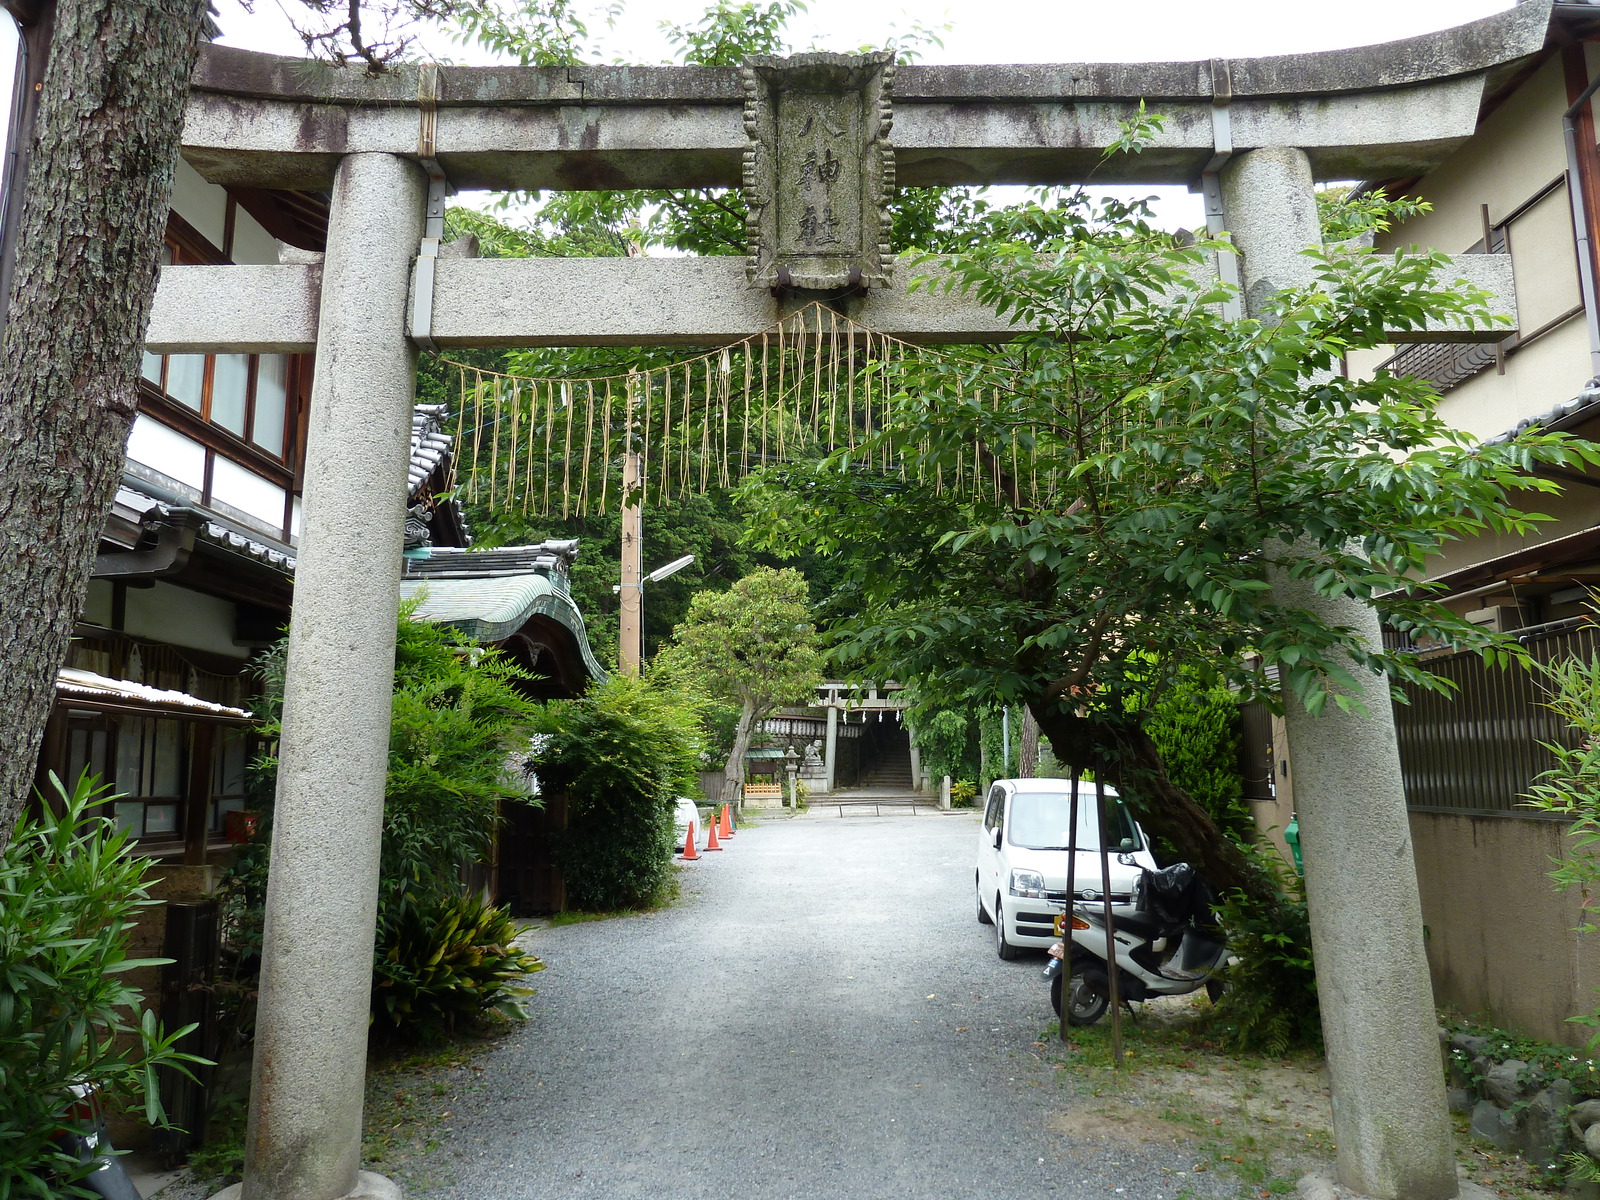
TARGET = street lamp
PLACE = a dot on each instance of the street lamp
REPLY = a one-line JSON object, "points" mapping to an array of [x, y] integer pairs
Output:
{"points": [[672, 568], [631, 627]]}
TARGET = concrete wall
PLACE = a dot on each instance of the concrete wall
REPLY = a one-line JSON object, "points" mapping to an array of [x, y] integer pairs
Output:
{"points": [[1516, 153], [1500, 937]]}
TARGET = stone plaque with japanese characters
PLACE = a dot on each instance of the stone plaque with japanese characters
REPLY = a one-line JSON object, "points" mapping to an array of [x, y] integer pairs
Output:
{"points": [[819, 170]]}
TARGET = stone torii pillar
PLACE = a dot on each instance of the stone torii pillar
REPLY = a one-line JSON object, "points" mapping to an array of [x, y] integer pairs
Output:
{"points": [[830, 754], [304, 1137], [1390, 1119]]}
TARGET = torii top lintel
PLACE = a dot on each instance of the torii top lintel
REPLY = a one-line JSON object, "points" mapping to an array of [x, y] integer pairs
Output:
{"points": [[1389, 110]]}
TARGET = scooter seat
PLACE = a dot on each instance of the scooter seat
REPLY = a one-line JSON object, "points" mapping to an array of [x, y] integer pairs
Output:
{"points": [[1140, 925]]}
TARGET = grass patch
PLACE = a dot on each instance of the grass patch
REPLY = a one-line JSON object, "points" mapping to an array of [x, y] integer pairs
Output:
{"points": [[1262, 1121], [411, 1096], [671, 893], [411, 1101]]}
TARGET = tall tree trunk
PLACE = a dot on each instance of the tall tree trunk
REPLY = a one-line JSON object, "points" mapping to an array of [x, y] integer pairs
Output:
{"points": [[99, 179], [1129, 760], [733, 772], [1028, 755]]}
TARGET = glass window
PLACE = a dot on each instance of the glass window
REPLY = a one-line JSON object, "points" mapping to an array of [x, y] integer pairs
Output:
{"points": [[272, 399], [230, 391], [1040, 820], [150, 368], [228, 779], [166, 759], [186, 377], [160, 818], [130, 756]]}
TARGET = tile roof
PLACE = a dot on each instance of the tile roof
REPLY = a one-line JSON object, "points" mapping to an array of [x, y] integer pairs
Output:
{"points": [[1588, 398], [430, 444], [75, 683], [491, 608]]}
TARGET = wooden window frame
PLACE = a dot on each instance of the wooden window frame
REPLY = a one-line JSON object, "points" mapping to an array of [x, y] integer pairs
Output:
{"points": [[188, 246]]}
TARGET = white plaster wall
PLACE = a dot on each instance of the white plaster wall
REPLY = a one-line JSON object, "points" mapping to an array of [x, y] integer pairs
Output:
{"points": [[252, 243], [247, 492], [152, 444], [180, 617], [204, 205], [1516, 152], [1545, 260], [1538, 377]]}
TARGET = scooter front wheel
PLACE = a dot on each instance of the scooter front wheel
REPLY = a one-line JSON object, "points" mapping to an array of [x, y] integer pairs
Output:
{"points": [[1091, 995]]}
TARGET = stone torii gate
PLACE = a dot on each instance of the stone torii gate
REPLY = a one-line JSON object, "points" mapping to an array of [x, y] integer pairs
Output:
{"points": [[809, 140]]}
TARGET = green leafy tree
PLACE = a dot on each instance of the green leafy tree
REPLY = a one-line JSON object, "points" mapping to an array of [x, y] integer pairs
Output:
{"points": [[1149, 463], [753, 647]]}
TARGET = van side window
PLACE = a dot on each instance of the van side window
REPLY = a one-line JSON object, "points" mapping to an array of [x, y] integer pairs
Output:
{"points": [[996, 807]]}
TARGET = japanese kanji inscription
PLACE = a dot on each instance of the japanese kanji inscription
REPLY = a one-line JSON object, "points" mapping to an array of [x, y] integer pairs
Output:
{"points": [[819, 169]]}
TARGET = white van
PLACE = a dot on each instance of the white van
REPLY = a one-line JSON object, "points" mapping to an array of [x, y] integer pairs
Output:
{"points": [[1021, 876]]}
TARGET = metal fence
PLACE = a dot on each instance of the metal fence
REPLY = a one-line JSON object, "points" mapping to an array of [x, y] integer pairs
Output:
{"points": [[1478, 749]]}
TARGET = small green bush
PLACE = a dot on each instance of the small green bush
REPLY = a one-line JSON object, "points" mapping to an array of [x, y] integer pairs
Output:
{"points": [[1270, 1003], [962, 793], [623, 753], [70, 892], [444, 962], [458, 721]]}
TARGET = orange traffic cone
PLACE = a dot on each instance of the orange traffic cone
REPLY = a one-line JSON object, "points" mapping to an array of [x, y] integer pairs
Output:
{"points": [[689, 852], [711, 838], [725, 826]]}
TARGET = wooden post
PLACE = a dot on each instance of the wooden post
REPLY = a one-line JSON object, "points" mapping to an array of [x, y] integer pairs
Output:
{"points": [[630, 626]]}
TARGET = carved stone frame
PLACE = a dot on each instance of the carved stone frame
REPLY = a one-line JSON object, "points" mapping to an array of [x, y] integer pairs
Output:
{"points": [[815, 121]]}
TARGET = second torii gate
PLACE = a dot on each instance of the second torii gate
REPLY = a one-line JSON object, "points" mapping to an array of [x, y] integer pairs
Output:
{"points": [[809, 141]]}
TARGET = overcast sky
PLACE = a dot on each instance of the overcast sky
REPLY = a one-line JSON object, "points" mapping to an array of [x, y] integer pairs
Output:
{"points": [[995, 30]]}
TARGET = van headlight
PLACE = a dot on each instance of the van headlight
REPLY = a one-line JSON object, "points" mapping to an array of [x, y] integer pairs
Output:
{"points": [[1027, 883]]}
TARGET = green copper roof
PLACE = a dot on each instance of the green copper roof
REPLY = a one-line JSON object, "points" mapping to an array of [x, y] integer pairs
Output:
{"points": [[493, 609]]}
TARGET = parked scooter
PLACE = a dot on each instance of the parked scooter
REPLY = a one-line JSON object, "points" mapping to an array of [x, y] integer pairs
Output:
{"points": [[88, 1143], [1168, 945]]}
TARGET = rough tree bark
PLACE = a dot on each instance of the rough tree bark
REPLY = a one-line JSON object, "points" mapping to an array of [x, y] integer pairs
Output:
{"points": [[1130, 762], [99, 180], [1028, 756], [750, 718]]}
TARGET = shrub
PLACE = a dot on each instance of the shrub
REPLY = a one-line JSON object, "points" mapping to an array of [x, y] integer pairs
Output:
{"points": [[948, 742], [70, 892], [962, 793], [458, 720], [443, 962], [623, 753], [1270, 1002]]}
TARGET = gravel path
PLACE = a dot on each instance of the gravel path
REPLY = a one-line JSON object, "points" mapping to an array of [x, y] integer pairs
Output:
{"points": [[820, 1016]]}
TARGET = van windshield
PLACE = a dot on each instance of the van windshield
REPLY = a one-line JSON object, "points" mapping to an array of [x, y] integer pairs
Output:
{"points": [[1039, 821]]}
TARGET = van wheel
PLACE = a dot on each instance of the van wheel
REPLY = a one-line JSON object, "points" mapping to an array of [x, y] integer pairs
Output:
{"points": [[983, 914], [1002, 947]]}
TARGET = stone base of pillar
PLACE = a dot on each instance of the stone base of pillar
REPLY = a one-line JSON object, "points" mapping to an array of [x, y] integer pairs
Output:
{"points": [[1320, 1187], [369, 1186]]}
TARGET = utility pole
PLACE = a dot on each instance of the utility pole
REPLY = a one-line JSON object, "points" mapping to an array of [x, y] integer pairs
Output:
{"points": [[630, 628]]}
